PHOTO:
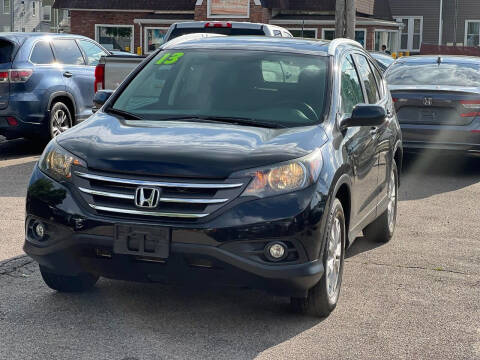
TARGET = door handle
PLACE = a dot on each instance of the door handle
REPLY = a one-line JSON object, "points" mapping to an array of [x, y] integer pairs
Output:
{"points": [[67, 74], [373, 130]]}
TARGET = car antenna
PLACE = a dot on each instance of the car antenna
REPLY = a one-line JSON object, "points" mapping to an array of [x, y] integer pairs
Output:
{"points": [[439, 60]]}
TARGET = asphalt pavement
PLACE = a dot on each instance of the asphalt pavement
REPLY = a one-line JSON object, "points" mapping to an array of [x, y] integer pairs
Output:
{"points": [[416, 297]]}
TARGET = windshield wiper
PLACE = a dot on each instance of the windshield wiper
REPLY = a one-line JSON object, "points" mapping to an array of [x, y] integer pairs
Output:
{"points": [[125, 114], [227, 119]]}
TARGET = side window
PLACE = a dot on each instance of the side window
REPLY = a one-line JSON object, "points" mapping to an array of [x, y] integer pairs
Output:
{"points": [[379, 78], [368, 79], [92, 51], [67, 52], [351, 90], [42, 54], [277, 33]]}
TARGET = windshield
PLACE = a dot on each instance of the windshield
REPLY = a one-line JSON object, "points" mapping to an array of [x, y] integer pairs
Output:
{"points": [[405, 73], [280, 89]]}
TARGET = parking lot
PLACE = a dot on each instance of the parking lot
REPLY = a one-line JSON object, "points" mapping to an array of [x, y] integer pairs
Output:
{"points": [[416, 297]]}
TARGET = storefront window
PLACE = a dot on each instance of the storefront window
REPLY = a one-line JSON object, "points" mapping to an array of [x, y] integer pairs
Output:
{"points": [[360, 35], [307, 33], [115, 37], [154, 38]]}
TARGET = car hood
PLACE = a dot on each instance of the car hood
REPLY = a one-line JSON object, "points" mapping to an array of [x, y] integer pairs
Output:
{"points": [[184, 149]]}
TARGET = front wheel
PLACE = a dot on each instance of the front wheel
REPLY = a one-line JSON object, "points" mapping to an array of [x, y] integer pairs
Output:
{"points": [[382, 229], [64, 283], [60, 119], [323, 297]]}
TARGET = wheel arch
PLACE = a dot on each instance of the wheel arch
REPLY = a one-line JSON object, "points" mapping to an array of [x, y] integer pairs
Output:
{"points": [[342, 191], [67, 99], [398, 157]]}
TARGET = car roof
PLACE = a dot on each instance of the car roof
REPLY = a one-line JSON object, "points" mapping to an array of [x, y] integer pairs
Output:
{"points": [[19, 37], [445, 59], [265, 43]]}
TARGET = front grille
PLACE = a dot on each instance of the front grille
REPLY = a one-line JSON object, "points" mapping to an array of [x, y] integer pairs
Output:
{"points": [[179, 200]]}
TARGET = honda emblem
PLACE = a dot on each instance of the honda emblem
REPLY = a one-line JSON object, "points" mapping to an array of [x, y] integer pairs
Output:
{"points": [[146, 197], [427, 101]]}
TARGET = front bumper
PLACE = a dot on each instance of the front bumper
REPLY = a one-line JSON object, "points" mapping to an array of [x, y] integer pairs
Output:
{"points": [[225, 251]]}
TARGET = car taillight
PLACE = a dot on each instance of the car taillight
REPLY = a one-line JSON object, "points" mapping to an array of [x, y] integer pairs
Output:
{"points": [[218, 24], [12, 121], [20, 76], [470, 105], [4, 76], [100, 77]]}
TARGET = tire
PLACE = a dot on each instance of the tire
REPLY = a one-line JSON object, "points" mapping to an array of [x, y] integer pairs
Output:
{"points": [[320, 301], [63, 283], [383, 228], [60, 119]]}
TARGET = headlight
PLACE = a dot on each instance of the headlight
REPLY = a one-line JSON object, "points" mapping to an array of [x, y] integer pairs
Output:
{"points": [[57, 162], [285, 177]]}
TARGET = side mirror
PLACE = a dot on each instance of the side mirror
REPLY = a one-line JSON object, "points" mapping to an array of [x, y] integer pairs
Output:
{"points": [[100, 98], [365, 115]]}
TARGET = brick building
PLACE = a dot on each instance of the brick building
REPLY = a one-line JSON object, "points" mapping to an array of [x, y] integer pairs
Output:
{"points": [[127, 25]]}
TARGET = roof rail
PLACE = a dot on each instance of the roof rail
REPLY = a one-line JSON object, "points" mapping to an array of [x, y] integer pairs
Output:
{"points": [[341, 41]]}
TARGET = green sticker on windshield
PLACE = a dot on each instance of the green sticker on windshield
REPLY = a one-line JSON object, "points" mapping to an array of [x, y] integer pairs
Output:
{"points": [[169, 59]]}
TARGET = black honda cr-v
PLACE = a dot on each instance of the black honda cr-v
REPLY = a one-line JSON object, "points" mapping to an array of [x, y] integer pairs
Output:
{"points": [[247, 160]]}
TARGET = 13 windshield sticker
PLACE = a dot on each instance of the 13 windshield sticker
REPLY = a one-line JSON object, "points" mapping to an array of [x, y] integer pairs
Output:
{"points": [[170, 59]]}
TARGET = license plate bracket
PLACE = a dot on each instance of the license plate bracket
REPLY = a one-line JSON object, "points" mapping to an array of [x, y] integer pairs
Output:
{"points": [[140, 240]]}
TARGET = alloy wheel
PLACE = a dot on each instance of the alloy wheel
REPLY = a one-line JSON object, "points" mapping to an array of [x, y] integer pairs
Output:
{"points": [[334, 259]]}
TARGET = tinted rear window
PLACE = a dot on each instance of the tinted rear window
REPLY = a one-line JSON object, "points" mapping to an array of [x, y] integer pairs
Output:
{"points": [[6, 50], [224, 31], [67, 52], [405, 73], [42, 53]]}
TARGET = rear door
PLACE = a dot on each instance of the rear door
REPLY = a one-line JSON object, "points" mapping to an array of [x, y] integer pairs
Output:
{"points": [[78, 78], [7, 49]]}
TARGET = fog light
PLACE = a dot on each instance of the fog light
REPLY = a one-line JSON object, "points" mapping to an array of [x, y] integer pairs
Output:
{"points": [[39, 230], [276, 251]]}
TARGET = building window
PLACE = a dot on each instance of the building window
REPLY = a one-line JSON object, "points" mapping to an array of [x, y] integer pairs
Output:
{"points": [[411, 34], [307, 33], [115, 37], [47, 13], [228, 8], [154, 38], [387, 38], [34, 8], [472, 33], [360, 35], [6, 6]]}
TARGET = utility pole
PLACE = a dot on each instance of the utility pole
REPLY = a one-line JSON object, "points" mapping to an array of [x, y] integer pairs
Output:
{"points": [[350, 17], [345, 16], [340, 19]]}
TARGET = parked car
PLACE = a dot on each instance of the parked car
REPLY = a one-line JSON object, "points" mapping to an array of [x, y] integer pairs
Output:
{"points": [[234, 160], [112, 70], [229, 28], [46, 82], [437, 99], [383, 60]]}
